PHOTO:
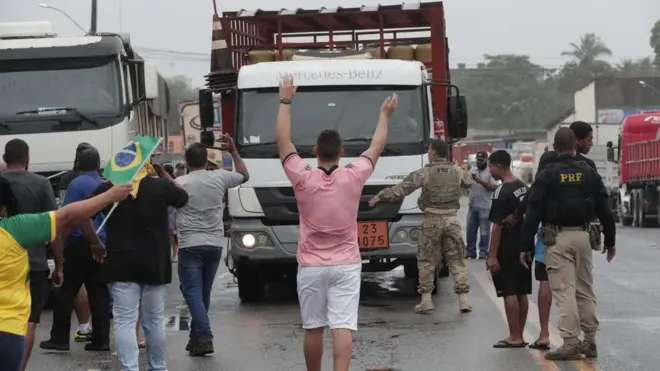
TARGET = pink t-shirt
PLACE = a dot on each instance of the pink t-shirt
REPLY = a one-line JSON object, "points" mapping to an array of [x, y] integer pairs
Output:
{"points": [[328, 209]]}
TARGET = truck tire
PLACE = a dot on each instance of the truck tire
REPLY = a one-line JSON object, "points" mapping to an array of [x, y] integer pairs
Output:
{"points": [[634, 205], [251, 286], [444, 270], [410, 269], [644, 220]]}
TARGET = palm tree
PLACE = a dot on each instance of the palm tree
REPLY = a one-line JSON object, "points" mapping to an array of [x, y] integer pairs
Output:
{"points": [[589, 50]]}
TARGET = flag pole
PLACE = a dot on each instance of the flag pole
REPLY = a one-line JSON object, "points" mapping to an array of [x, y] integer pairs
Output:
{"points": [[114, 206]]}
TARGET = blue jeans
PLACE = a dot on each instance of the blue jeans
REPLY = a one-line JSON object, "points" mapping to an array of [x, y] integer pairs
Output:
{"points": [[13, 347], [128, 299], [197, 268], [477, 219]]}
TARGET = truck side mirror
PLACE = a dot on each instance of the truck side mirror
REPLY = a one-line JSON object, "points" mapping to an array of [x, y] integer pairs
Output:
{"points": [[150, 80], [457, 118], [206, 108]]}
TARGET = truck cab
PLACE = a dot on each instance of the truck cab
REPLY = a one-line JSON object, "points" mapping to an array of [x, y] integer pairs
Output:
{"points": [[59, 91], [337, 90]]}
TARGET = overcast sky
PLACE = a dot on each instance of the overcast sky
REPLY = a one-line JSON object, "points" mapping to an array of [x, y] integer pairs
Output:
{"points": [[474, 27]]}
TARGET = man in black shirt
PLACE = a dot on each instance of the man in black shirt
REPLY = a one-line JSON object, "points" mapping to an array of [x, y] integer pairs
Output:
{"points": [[584, 141], [137, 264], [512, 281]]}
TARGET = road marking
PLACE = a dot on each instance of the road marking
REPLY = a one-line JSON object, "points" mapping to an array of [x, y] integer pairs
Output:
{"points": [[483, 278]]}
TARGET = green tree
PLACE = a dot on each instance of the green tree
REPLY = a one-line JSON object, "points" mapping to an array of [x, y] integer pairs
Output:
{"points": [[587, 63], [181, 88], [655, 42], [636, 68], [510, 91]]}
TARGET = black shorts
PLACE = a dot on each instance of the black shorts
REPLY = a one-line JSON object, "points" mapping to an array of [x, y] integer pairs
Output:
{"points": [[513, 279], [39, 291], [539, 271]]}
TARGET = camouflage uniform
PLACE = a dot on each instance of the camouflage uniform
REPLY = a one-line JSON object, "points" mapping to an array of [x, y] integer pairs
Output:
{"points": [[441, 183]]}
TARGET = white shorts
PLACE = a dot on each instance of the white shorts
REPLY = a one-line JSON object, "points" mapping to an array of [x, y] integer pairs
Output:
{"points": [[329, 296]]}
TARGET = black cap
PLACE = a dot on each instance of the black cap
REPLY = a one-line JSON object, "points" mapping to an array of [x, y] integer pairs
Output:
{"points": [[89, 159], [482, 154]]}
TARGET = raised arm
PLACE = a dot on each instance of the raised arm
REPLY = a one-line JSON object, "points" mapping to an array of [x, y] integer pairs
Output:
{"points": [[380, 135], [283, 126], [77, 212]]}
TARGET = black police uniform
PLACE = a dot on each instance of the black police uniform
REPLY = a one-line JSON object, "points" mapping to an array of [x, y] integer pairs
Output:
{"points": [[567, 194]]}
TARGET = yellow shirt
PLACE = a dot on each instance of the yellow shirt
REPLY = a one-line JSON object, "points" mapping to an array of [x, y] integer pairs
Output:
{"points": [[16, 234]]}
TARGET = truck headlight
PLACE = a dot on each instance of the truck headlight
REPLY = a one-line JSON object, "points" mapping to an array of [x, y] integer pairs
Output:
{"points": [[414, 234], [248, 240]]}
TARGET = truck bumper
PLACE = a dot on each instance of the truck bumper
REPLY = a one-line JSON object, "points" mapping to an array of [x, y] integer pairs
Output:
{"points": [[254, 241]]}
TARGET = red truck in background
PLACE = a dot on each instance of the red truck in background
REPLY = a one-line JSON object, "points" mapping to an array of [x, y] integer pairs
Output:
{"points": [[637, 199], [236, 34]]}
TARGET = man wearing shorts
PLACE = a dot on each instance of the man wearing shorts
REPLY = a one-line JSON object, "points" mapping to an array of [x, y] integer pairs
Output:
{"points": [[328, 254], [512, 280]]}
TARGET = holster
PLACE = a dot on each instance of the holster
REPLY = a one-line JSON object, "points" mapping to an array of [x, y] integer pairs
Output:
{"points": [[595, 237], [548, 234]]}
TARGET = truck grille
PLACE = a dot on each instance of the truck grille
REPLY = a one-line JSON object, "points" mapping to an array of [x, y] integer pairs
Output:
{"points": [[280, 207]]}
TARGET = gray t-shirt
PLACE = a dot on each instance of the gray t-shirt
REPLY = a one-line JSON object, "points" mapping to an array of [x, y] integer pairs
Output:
{"points": [[480, 197], [199, 222], [34, 194]]}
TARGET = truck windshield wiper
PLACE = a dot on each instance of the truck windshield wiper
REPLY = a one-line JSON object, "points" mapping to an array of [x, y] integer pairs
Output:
{"points": [[252, 145], [367, 140], [65, 109]]}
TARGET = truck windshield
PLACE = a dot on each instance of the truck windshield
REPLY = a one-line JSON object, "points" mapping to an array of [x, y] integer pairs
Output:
{"points": [[351, 110], [90, 85]]}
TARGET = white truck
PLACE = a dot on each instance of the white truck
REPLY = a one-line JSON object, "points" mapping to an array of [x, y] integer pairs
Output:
{"points": [[337, 89], [56, 92]]}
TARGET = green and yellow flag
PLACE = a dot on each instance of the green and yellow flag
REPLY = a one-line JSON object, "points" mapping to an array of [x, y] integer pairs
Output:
{"points": [[132, 163]]}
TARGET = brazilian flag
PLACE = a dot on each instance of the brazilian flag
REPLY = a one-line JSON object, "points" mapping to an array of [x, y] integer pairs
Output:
{"points": [[131, 163]]}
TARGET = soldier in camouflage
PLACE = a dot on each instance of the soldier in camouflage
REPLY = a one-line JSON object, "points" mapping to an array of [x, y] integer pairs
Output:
{"points": [[441, 182]]}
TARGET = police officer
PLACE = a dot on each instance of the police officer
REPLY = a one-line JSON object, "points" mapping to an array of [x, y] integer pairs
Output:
{"points": [[441, 182], [565, 197]]}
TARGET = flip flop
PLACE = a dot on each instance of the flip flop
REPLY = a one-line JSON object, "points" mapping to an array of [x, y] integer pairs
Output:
{"points": [[505, 344], [539, 346]]}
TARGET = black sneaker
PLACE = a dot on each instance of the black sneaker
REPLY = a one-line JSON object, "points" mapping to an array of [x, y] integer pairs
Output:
{"points": [[201, 348], [483, 257], [91, 347], [50, 345], [470, 256]]}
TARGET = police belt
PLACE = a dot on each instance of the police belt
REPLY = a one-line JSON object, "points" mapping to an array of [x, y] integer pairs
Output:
{"points": [[443, 212]]}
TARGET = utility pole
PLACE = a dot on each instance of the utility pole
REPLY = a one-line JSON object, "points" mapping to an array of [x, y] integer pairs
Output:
{"points": [[92, 29]]}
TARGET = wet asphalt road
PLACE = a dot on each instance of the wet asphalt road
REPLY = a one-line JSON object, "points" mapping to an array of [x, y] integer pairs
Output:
{"points": [[267, 337]]}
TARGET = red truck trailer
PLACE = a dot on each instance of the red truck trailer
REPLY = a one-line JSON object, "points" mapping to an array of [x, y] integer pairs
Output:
{"points": [[236, 34], [639, 171]]}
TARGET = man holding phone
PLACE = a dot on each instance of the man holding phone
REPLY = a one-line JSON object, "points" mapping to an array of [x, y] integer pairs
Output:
{"points": [[481, 194]]}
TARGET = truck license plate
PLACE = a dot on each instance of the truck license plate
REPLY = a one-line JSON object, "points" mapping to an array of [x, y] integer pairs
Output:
{"points": [[373, 235]]}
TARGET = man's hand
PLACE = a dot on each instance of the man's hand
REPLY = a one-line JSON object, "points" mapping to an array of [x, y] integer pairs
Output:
{"points": [[374, 200], [287, 90], [226, 141], [611, 253], [119, 192], [389, 105], [98, 252], [526, 259], [493, 264], [158, 168], [510, 221], [58, 277]]}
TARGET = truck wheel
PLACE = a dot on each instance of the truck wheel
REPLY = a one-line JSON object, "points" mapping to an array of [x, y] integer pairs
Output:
{"points": [[251, 286], [410, 269], [444, 270], [634, 200]]}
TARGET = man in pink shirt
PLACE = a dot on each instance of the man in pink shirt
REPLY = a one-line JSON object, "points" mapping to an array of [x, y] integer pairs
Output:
{"points": [[329, 263]]}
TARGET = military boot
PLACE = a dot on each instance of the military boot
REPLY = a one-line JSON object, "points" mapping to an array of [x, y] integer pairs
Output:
{"points": [[463, 303], [566, 352], [588, 348], [426, 305]]}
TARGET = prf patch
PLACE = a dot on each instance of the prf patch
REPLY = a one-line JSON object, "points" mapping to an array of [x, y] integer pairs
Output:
{"points": [[570, 177]]}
